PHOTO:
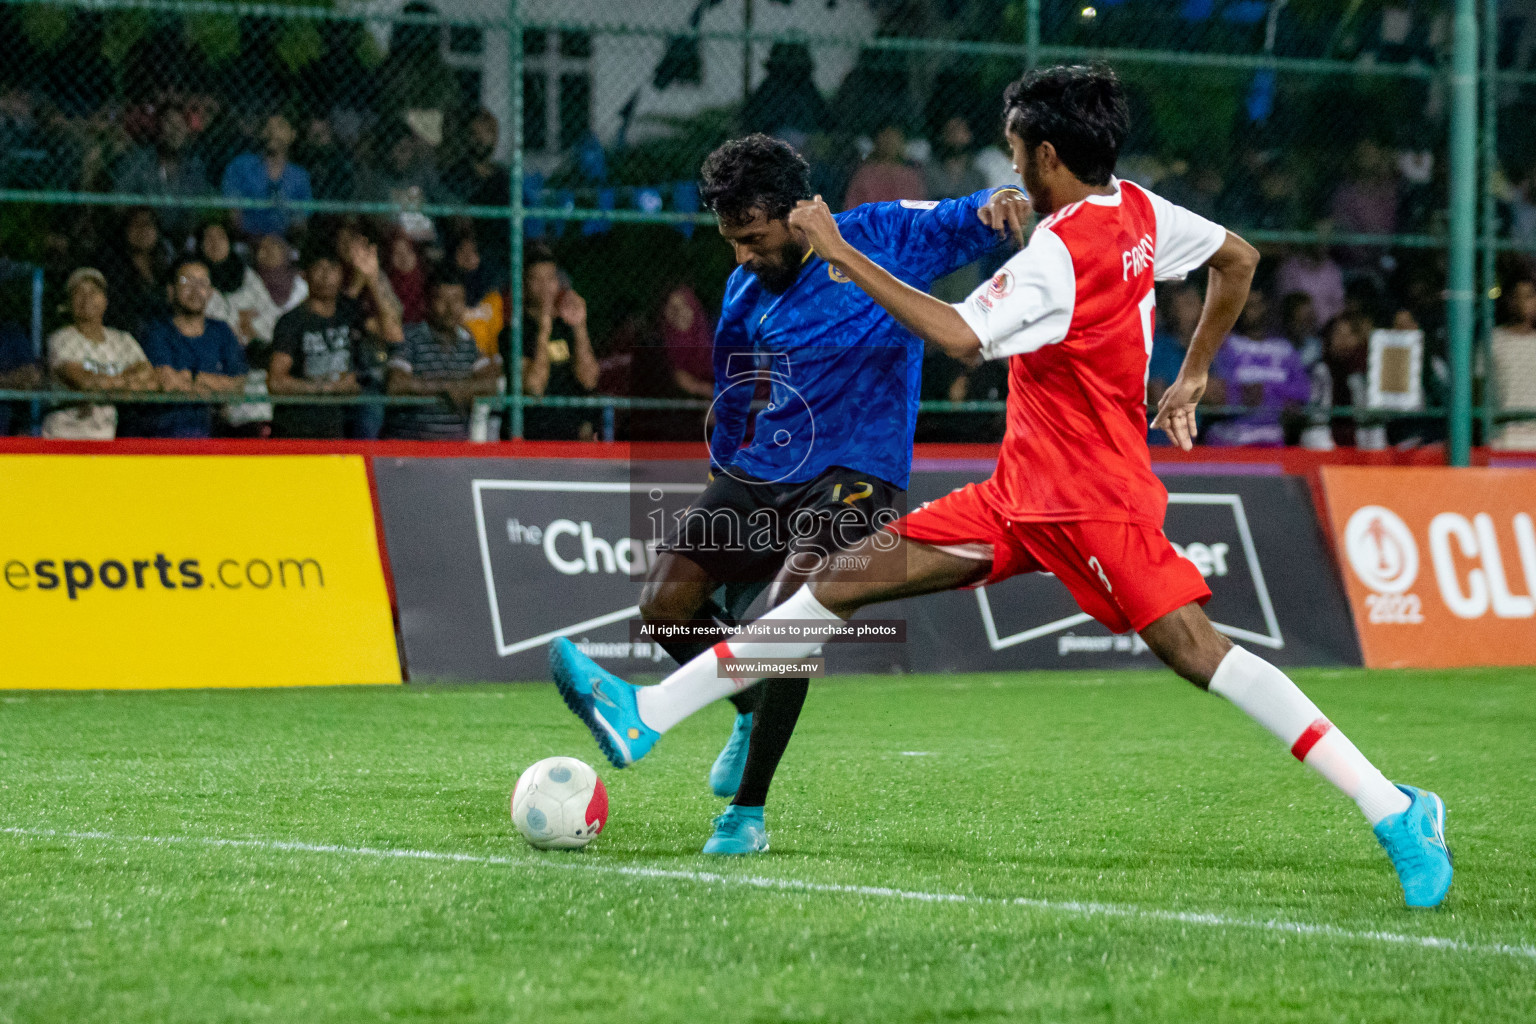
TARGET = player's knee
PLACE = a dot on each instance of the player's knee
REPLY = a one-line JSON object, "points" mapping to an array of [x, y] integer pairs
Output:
{"points": [[661, 603]]}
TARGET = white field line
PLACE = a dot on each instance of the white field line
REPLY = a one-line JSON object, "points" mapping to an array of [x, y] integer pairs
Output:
{"points": [[1065, 908]]}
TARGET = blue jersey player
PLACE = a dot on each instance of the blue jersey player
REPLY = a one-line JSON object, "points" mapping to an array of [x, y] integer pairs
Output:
{"points": [[831, 442]]}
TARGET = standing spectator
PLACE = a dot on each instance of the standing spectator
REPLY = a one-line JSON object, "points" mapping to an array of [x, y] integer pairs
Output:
{"points": [[407, 279], [787, 102], [886, 175], [561, 362], [1264, 372], [1514, 363], [486, 316], [952, 172], [18, 371], [166, 168], [331, 175], [1311, 271], [314, 352], [192, 354], [137, 272], [1298, 322], [87, 355], [439, 357], [268, 175]]}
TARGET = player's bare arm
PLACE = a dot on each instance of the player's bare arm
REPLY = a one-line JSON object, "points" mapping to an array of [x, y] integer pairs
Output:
{"points": [[1231, 274], [931, 319]]}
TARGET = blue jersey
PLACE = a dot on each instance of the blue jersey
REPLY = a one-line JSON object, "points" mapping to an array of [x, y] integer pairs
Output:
{"points": [[844, 377]]}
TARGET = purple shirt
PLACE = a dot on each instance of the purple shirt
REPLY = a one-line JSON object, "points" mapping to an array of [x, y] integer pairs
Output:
{"points": [[1272, 363]]}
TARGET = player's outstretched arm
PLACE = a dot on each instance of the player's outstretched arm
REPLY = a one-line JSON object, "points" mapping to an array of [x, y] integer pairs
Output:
{"points": [[925, 316], [1231, 273]]}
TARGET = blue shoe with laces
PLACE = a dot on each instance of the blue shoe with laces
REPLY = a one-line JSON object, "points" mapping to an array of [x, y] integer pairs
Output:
{"points": [[725, 775], [1415, 840], [603, 701], [738, 831]]}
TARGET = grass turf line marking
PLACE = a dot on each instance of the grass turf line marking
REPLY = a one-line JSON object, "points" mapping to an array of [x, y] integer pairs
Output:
{"points": [[1070, 908]]}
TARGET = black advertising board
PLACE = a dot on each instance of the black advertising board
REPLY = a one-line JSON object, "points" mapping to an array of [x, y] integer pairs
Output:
{"points": [[494, 557]]}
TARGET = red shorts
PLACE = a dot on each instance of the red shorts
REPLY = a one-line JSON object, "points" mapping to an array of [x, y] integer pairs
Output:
{"points": [[1125, 575]]}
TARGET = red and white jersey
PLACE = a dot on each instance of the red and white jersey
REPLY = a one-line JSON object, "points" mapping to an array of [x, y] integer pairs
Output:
{"points": [[1073, 312]]}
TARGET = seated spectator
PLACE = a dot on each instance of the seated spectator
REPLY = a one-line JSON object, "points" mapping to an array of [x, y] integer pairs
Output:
{"points": [[19, 372], [1514, 363], [1298, 322], [1262, 371], [365, 284], [137, 271], [166, 168], [1178, 314], [331, 175], [402, 173], [560, 360], [1366, 203], [407, 278], [192, 354], [282, 288], [439, 357], [234, 298], [477, 179], [1311, 271], [315, 352], [268, 175], [689, 342], [486, 316], [1346, 354], [952, 172], [89, 356], [886, 175]]}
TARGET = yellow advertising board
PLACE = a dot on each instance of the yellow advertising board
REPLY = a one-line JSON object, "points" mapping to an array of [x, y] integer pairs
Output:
{"points": [[148, 571]]}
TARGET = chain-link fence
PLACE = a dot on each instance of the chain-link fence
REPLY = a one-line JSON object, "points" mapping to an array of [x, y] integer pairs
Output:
{"points": [[1322, 131]]}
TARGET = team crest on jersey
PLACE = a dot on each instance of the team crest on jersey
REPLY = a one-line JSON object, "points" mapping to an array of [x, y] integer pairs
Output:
{"points": [[1001, 284], [837, 275]]}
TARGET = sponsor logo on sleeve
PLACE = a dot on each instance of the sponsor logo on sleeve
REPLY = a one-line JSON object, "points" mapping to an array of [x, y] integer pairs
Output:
{"points": [[920, 204]]}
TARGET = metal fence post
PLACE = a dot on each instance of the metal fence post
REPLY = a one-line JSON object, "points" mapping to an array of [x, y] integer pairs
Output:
{"points": [[1490, 227], [1463, 240], [514, 369], [1032, 34]]}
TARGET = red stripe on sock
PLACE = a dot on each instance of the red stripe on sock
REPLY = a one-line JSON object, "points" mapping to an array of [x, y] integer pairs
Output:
{"points": [[722, 651], [1308, 739]]}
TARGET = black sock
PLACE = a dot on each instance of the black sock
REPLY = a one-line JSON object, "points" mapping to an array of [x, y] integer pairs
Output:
{"points": [[775, 720]]}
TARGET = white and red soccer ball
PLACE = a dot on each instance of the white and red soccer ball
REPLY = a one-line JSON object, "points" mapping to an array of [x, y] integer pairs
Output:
{"points": [[559, 804]]}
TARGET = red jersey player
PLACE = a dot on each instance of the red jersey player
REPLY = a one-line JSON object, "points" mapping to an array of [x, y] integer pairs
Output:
{"points": [[1073, 493]]}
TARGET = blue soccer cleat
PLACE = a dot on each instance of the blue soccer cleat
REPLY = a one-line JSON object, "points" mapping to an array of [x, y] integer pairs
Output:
{"points": [[604, 702], [1415, 840], [738, 831], [725, 776]]}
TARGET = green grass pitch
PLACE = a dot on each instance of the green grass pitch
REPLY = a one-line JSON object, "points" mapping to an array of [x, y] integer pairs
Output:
{"points": [[1048, 847]]}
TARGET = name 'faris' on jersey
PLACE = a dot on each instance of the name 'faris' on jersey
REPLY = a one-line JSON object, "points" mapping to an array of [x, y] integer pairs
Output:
{"points": [[1137, 258]]}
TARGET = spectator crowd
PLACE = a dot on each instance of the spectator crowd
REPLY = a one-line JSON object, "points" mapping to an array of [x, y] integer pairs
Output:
{"points": [[256, 300]]}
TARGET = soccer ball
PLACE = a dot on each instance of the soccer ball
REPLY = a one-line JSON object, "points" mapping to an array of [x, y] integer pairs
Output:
{"points": [[559, 804]]}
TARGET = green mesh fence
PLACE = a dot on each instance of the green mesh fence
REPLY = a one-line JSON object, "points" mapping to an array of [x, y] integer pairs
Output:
{"points": [[1313, 128]]}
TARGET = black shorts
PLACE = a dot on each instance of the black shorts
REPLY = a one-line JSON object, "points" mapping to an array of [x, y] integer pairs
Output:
{"points": [[744, 530]]}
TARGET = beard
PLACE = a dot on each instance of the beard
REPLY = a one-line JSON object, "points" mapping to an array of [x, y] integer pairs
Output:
{"points": [[776, 277]]}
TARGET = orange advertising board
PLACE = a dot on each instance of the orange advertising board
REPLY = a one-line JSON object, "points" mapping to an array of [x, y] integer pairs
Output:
{"points": [[1439, 564]]}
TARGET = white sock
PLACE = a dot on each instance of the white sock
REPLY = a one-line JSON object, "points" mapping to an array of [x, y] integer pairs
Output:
{"points": [[698, 683], [1268, 696]]}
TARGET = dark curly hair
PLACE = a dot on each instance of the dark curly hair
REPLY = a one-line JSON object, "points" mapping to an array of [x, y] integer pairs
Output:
{"points": [[754, 172], [1078, 109]]}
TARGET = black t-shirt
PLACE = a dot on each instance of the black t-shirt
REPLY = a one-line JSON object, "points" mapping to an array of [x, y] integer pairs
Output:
{"points": [[323, 348], [554, 424]]}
